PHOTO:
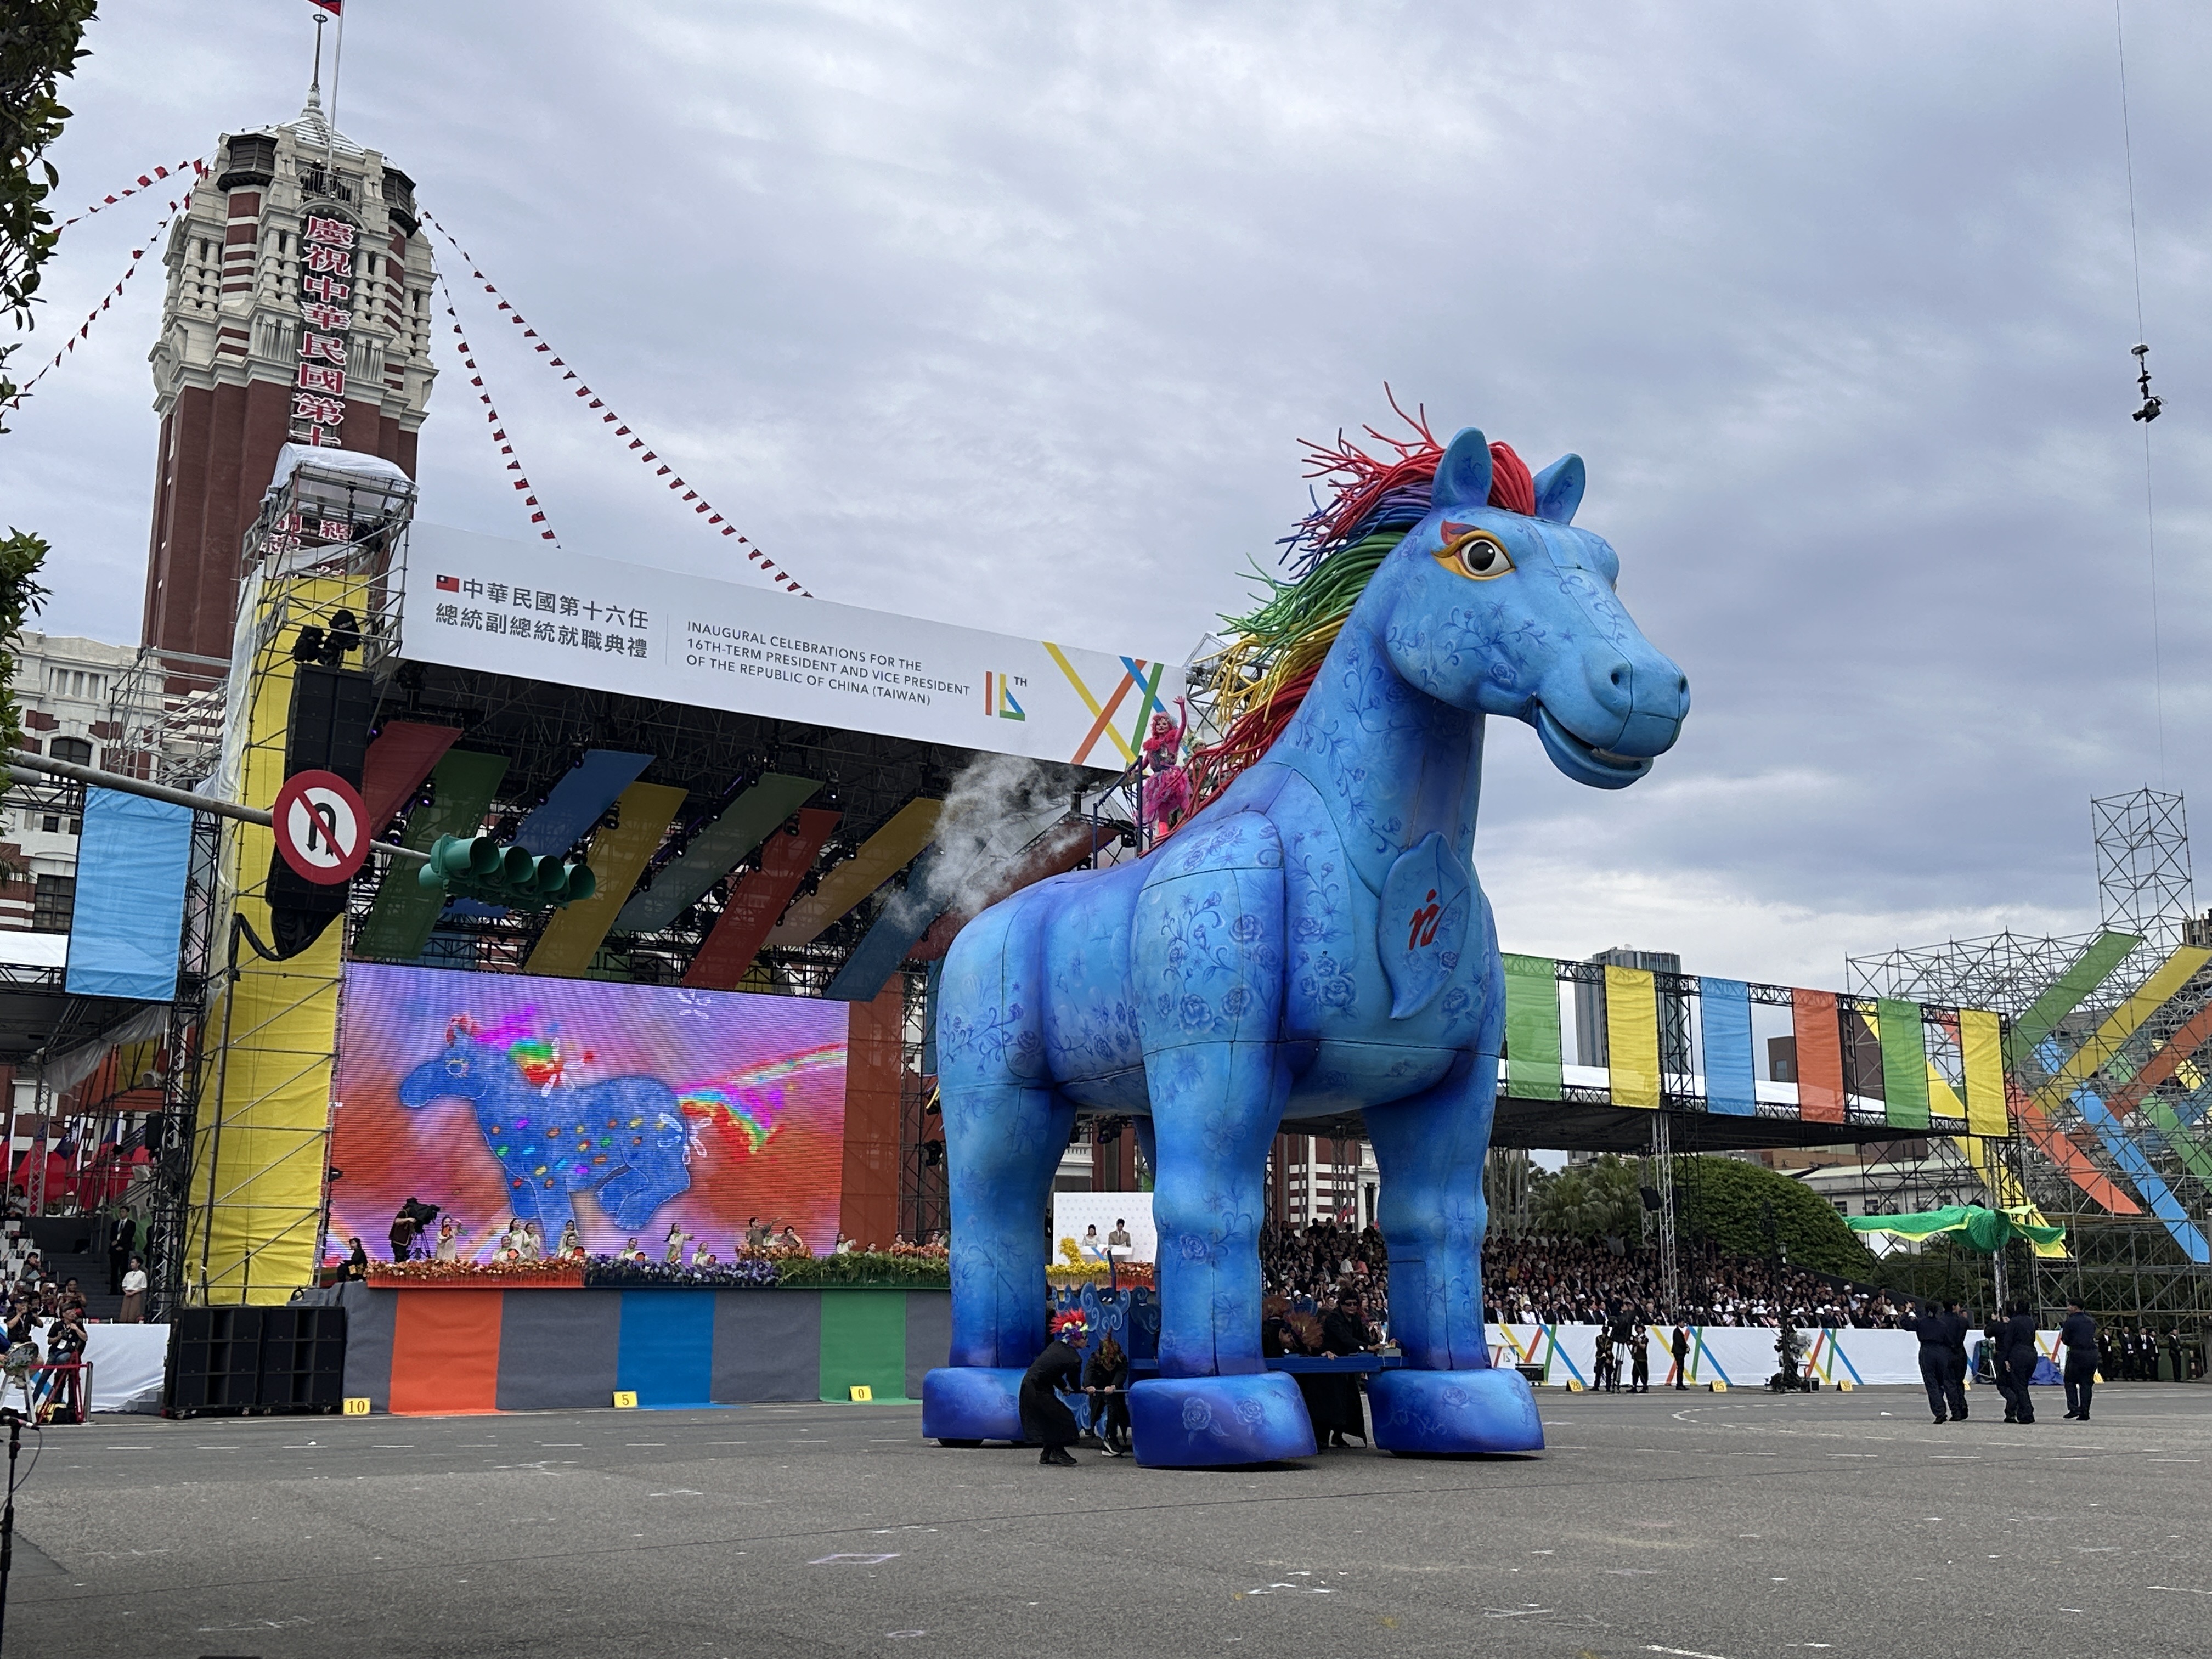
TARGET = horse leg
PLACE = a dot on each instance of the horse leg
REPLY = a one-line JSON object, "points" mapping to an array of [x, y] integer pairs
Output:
{"points": [[1448, 1398], [1214, 1111], [1002, 1143], [1206, 956]]}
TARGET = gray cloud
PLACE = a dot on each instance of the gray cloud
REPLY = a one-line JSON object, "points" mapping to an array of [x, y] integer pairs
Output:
{"points": [[1013, 317]]}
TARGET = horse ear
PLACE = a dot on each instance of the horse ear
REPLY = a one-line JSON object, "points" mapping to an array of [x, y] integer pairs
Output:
{"points": [[1560, 489], [1463, 475]]}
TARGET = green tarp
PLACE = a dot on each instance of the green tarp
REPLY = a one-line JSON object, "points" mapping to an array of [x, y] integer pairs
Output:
{"points": [[1984, 1229]]}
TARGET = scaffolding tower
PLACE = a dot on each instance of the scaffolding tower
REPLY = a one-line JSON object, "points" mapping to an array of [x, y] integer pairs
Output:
{"points": [[2110, 1093]]}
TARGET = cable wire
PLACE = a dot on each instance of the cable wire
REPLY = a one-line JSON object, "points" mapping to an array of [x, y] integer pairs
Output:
{"points": [[2150, 505]]}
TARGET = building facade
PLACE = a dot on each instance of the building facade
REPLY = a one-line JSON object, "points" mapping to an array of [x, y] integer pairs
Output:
{"points": [[64, 687], [297, 311]]}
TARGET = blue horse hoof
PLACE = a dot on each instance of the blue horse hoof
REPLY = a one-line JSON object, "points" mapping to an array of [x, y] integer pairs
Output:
{"points": [[1485, 1411], [1214, 1422], [972, 1402]]}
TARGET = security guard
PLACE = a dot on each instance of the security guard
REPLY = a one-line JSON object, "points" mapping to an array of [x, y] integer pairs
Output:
{"points": [[2079, 1334]]}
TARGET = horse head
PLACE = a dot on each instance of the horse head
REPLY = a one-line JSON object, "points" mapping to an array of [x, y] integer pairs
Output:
{"points": [[1501, 612], [464, 1070]]}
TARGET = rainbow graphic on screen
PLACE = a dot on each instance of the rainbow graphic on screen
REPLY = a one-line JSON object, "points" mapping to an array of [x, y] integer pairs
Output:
{"points": [[672, 1116]]}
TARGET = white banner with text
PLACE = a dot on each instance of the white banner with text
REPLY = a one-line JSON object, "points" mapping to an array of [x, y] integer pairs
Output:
{"points": [[479, 602]]}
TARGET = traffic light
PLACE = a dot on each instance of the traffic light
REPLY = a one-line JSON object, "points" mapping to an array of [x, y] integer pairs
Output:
{"points": [[478, 867]]}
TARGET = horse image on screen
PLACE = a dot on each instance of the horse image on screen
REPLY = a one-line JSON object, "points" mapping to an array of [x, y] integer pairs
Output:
{"points": [[656, 1114]]}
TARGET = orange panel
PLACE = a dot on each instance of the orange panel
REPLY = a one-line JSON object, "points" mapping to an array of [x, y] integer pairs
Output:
{"points": [[1819, 1056], [445, 1352]]}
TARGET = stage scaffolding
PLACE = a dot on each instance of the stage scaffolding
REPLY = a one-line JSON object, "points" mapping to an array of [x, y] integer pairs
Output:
{"points": [[2159, 1141]]}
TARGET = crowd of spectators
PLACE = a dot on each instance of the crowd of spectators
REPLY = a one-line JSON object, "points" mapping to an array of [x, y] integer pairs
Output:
{"points": [[1539, 1280]]}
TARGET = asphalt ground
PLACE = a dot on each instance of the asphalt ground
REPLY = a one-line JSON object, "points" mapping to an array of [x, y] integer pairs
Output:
{"points": [[1734, 1525]]}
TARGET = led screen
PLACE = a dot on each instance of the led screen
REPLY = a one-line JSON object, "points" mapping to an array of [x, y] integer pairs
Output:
{"points": [[631, 1107]]}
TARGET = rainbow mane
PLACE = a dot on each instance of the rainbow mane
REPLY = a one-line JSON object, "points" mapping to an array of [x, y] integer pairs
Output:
{"points": [[1276, 649]]}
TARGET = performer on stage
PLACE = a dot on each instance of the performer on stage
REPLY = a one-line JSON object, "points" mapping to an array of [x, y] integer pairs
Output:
{"points": [[1934, 1330], [1046, 1421]]}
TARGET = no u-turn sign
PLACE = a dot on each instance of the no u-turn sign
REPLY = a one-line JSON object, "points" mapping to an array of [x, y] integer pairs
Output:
{"points": [[321, 827]]}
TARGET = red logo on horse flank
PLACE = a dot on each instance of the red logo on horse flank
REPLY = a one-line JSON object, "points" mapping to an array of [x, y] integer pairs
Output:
{"points": [[1423, 928]]}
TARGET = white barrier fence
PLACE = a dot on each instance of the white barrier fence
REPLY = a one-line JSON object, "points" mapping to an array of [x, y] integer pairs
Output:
{"points": [[1741, 1356]]}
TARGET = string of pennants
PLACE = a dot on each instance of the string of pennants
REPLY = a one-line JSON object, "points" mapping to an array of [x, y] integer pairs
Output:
{"points": [[146, 181], [84, 329], [498, 431], [645, 456]]}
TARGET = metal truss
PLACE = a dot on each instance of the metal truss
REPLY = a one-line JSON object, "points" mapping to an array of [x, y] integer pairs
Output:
{"points": [[2143, 882]]}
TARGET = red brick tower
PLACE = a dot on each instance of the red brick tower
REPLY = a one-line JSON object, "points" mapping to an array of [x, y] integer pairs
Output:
{"points": [[298, 310]]}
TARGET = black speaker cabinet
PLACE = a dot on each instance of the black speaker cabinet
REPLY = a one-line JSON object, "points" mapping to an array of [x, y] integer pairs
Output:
{"points": [[243, 1362]]}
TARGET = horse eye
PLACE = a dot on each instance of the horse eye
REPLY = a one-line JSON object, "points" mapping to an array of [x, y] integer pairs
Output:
{"points": [[1477, 555]]}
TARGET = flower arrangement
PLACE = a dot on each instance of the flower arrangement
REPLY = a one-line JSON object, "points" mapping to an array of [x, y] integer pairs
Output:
{"points": [[505, 1274], [911, 1268], [612, 1273]]}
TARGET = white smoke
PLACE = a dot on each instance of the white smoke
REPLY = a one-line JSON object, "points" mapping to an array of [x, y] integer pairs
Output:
{"points": [[996, 806]]}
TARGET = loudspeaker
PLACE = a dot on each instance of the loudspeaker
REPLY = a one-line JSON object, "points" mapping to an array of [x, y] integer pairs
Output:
{"points": [[327, 732], [247, 1361]]}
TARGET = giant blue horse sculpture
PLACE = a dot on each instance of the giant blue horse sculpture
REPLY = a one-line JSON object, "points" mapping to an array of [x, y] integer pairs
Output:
{"points": [[625, 1138], [1312, 943]]}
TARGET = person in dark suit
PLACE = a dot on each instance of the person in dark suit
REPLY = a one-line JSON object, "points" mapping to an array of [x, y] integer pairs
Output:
{"points": [[1957, 1326], [1934, 1330], [1681, 1346], [2016, 1358], [2079, 1335]]}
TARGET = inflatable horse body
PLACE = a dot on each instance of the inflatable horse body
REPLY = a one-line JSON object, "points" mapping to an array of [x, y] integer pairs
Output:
{"points": [[626, 1137], [1312, 943]]}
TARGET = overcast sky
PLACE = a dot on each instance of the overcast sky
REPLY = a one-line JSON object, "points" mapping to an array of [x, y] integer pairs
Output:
{"points": [[1013, 315]]}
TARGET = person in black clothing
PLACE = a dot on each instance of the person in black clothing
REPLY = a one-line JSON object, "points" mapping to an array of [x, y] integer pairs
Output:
{"points": [[2016, 1358], [1681, 1358], [1106, 1379], [2079, 1334], [1046, 1421], [118, 1255], [1639, 1362], [1333, 1398], [1955, 1380], [1934, 1330]]}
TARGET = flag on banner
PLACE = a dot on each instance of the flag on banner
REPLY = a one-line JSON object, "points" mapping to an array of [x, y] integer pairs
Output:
{"points": [[336, 8]]}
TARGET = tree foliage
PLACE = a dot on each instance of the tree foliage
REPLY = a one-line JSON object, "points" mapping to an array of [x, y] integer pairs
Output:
{"points": [[1592, 1200], [1727, 1201], [40, 41]]}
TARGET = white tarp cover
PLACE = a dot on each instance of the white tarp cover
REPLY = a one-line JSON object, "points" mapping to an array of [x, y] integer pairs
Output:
{"points": [[129, 1362], [357, 462]]}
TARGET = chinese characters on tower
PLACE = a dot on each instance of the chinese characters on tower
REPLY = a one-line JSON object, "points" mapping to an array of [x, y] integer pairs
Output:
{"points": [[326, 248]]}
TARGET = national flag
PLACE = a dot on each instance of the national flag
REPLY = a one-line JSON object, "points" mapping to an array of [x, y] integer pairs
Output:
{"points": [[336, 8], [449, 584]]}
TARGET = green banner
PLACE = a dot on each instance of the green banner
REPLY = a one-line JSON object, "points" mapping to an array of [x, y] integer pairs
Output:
{"points": [[1532, 1027], [2092, 970], [1903, 1064], [403, 912]]}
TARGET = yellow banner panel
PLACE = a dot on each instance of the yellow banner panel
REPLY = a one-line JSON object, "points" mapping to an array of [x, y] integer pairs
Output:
{"points": [[643, 813], [1981, 1048], [259, 1148], [1631, 1036], [882, 856]]}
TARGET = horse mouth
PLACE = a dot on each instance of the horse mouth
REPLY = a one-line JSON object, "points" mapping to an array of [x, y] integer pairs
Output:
{"points": [[1585, 761]]}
